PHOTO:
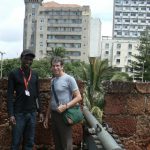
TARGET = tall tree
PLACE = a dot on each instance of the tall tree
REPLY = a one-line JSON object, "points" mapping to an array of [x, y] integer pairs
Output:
{"points": [[94, 92], [141, 65]]}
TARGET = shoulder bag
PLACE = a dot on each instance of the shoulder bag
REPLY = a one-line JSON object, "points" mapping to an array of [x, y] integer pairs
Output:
{"points": [[74, 114]]}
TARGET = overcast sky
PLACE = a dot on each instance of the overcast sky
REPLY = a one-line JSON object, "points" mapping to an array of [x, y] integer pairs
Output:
{"points": [[12, 15]]}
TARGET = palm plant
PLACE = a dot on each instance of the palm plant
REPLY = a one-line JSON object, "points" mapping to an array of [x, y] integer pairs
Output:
{"points": [[121, 76], [94, 91], [58, 51]]}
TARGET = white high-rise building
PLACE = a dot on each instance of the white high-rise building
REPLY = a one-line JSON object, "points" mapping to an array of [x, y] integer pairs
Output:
{"points": [[130, 17], [50, 25]]}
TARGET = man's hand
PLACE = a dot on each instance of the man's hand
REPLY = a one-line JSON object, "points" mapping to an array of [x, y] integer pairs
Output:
{"points": [[41, 117], [61, 108], [12, 120], [45, 123]]}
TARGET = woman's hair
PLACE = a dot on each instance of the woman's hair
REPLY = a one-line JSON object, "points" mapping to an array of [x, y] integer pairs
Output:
{"points": [[57, 59]]}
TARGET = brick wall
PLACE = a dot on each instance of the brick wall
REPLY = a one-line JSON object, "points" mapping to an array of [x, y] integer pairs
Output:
{"points": [[127, 111], [43, 136]]}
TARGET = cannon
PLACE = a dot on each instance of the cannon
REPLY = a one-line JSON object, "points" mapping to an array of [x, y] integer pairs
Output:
{"points": [[105, 138]]}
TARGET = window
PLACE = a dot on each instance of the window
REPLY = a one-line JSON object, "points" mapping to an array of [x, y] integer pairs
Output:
{"points": [[41, 28], [118, 61], [140, 27], [135, 20], [117, 1], [119, 33], [106, 52], [129, 46], [41, 44], [129, 53], [133, 14], [141, 2], [133, 1], [125, 26], [141, 14], [42, 20], [41, 35], [117, 13], [132, 27], [143, 8], [76, 53], [125, 14], [118, 53], [118, 46], [129, 60], [33, 5], [118, 20], [143, 21], [33, 14], [127, 20], [126, 2], [126, 33], [148, 14], [106, 46]]}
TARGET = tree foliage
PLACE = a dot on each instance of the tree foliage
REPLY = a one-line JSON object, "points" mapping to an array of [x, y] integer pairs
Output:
{"points": [[41, 66], [94, 91], [74, 69], [141, 65], [58, 51], [121, 76], [10, 64]]}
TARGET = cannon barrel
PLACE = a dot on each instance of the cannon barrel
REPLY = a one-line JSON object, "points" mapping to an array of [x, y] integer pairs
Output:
{"points": [[106, 139]]}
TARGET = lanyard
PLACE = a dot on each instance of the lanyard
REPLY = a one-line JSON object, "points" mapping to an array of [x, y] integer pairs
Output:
{"points": [[26, 81]]}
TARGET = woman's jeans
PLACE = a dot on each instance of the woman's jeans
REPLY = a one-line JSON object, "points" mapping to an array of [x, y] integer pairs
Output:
{"points": [[23, 131]]}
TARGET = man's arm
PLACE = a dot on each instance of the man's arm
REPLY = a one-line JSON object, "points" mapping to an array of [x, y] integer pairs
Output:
{"points": [[10, 94], [38, 102], [10, 98], [47, 116], [76, 98]]}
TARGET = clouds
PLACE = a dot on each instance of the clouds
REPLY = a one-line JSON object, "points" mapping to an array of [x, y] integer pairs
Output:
{"points": [[12, 17], [11, 25]]}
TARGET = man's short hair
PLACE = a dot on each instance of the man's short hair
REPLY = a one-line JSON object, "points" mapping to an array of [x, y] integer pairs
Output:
{"points": [[57, 59]]}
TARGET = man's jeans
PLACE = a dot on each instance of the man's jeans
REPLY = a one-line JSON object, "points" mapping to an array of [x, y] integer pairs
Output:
{"points": [[24, 131]]}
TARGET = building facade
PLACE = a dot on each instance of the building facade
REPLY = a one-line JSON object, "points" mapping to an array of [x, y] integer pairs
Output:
{"points": [[95, 37], [50, 25], [119, 52], [130, 17]]}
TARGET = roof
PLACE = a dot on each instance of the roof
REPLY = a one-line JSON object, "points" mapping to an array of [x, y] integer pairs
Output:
{"points": [[53, 4]]}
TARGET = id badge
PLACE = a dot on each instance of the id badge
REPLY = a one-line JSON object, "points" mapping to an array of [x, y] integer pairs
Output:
{"points": [[27, 93]]}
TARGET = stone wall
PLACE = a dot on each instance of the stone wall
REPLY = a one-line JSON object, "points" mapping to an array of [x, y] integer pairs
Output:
{"points": [[127, 111], [43, 136]]}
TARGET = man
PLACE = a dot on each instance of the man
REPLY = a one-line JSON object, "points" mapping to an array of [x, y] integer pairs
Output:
{"points": [[68, 94], [23, 102]]}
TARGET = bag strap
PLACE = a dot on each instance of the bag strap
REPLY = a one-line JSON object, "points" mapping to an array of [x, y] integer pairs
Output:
{"points": [[55, 96]]}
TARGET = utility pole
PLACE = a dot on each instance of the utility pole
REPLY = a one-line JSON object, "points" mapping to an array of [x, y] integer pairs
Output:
{"points": [[2, 53]]}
